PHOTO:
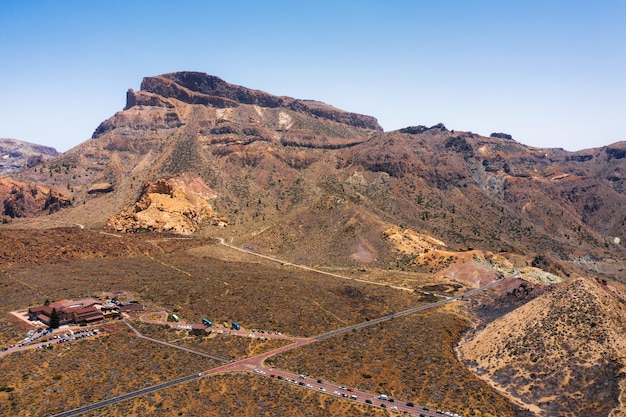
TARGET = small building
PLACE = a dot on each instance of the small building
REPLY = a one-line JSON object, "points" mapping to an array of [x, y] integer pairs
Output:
{"points": [[199, 330], [131, 307], [110, 311]]}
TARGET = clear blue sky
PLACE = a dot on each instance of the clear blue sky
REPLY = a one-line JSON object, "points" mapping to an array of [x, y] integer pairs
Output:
{"points": [[551, 73]]}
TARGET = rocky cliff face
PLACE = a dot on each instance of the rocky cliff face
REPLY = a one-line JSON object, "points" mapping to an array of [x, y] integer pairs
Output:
{"points": [[15, 155], [206, 90]]}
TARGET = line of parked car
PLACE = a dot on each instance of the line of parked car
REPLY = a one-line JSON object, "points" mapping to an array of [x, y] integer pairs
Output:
{"points": [[34, 335], [62, 338], [384, 398]]}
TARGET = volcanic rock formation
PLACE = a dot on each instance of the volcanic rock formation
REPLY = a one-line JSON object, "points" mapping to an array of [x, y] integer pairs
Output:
{"points": [[20, 199], [177, 205]]}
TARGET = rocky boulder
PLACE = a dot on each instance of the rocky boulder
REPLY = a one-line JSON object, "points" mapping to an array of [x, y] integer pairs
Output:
{"points": [[501, 135], [101, 188]]}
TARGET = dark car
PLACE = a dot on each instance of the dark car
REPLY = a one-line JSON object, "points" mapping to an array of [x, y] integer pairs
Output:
{"points": [[281, 377], [383, 405], [301, 383], [391, 400], [319, 381], [410, 404], [425, 408], [368, 401]]}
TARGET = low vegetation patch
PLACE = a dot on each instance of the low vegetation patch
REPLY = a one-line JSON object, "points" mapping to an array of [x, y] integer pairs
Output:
{"points": [[409, 358]]}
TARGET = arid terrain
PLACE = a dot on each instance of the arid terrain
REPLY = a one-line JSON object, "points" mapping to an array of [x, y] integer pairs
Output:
{"points": [[205, 199]]}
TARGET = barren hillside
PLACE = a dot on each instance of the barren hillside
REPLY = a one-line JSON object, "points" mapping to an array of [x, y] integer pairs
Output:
{"points": [[562, 354]]}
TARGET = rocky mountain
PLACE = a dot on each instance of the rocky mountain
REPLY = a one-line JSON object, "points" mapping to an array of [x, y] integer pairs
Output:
{"points": [[15, 155], [316, 179], [313, 184]]}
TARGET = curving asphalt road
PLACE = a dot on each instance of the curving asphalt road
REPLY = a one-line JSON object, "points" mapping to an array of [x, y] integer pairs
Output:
{"points": [[403, 313]]}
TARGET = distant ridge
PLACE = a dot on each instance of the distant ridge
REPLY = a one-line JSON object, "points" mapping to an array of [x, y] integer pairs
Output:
{"points": [[16, 154]]}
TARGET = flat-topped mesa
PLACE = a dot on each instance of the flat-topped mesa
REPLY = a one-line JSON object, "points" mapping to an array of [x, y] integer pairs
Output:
{"points": [[200, 88]]}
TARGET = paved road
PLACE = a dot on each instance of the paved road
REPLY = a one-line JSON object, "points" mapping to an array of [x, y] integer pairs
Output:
{"points": [[339, 390], [128, 396], [172, 345], [49, 338], [403, 313]]}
